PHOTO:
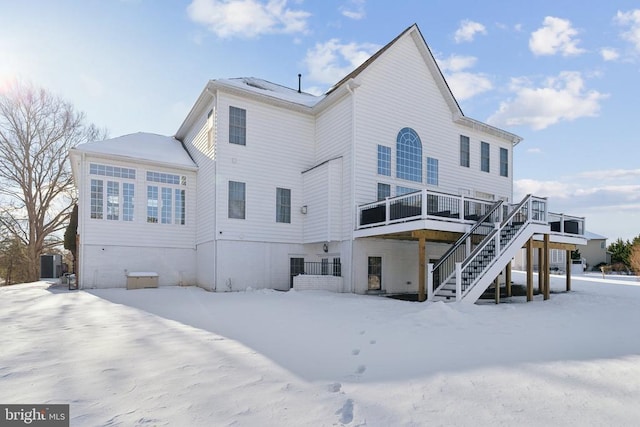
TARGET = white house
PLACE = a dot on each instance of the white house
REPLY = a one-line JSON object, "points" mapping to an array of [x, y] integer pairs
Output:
{"points": [[361, 189]]}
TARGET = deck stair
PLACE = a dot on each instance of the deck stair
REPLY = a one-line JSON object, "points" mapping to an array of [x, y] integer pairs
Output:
{"points": [[467, 269]]}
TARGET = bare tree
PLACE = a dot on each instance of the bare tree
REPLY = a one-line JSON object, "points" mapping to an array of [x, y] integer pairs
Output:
{"points": [[37, 129]]}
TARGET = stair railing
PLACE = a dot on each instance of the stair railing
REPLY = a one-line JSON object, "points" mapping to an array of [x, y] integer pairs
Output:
{"points": [[492, 246], [445, 267]]}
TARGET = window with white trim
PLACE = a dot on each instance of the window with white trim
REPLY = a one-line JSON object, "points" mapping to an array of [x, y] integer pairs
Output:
{"points": [[166, 202], [237, 199], [113, 199], [384, 191], [384, 160], [504, 162], [432, 171], [464, 151], [408, 155], [283, 205], [484, 156], [237, 126]]}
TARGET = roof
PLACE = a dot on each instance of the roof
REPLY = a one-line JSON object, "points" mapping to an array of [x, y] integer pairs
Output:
{"points": [[292, 98], [142, 146], [266, 88], [593, 236]]}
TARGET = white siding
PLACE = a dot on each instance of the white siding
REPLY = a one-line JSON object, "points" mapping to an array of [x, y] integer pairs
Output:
{"points": [[323, 196], [334, 134], [389, 101], [138, 233], [104, 266], [256, 265], [197, 145], [279, 146]]}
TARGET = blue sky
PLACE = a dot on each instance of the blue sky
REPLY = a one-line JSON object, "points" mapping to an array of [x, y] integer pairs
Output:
{"points": [[561, 74]]}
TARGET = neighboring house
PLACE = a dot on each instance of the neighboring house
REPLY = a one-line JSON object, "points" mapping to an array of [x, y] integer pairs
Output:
{"points": [[595, 252], [592, 252], [354, 186]]}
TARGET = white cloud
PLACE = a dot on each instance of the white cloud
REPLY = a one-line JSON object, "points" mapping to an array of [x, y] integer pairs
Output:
{"points": [[354, 9], [468, 30], [611, 174], [329, 62], [561, 98], [534, 150], [247, 18], [555, 36], [631, 20], [577, 196], [609, 54], [463, 84]]}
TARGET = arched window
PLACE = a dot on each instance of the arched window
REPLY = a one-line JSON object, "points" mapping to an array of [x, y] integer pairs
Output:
{"points": [[409, 155]]}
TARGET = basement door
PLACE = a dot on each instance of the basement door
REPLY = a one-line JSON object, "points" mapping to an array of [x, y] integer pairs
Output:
{"points": [[374, 270], [296, 266]]}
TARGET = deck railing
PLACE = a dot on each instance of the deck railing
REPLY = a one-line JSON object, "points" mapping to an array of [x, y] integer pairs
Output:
{"points": [[566, 224], [422, 204]]}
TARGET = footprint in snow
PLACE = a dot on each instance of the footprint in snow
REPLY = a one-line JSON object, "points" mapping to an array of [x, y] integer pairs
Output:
{"points": [[361, 369], [346, 412], [334, 387], [372, 342], [355, 351]]}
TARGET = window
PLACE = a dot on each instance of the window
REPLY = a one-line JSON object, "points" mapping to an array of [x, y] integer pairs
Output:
{"points": [[432, 171], [283, 205], [114, 171], [484, 157], [504, 162], [409, 155], [166, 203], [152, 203], [401, 191], [179, 217], [127, 201], [113, 200], [464, 151], [374, 269], [96, 198], [384, 160], [106, 198], [384, 191], [237, 126], [236, 200]]}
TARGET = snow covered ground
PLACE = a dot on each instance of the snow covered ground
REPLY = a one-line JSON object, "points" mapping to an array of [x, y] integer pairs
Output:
{"points": [[186, 357]]}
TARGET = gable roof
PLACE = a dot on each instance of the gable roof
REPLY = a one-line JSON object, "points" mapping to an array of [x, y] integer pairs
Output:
{"points": [[291, 98], [593, 236], [141, 146]]}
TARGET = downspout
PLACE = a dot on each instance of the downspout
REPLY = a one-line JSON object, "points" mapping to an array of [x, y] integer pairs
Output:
{"points": [[81, 220], [212, 288], [351, 86]]}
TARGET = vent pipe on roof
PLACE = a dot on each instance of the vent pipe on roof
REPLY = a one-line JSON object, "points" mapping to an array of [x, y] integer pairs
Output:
{"points": [[299, 83]]}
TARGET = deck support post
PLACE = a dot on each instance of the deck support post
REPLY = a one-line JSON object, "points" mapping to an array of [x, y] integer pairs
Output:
{"points": [[458, 281], [530, 269], [507, 279], [429, 282], [568, 270], [547, 277], [496, 283], [540, 270], [421, 269]]}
